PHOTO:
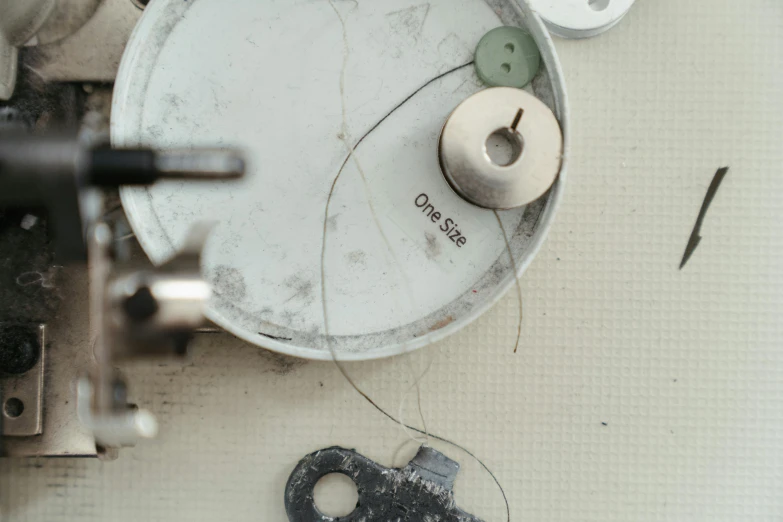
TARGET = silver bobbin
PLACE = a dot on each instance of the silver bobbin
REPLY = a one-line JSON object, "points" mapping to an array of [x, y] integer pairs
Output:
{"points": [[531, 135]]}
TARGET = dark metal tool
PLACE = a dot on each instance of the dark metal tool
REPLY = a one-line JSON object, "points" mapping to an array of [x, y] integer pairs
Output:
{"points": [[422, 490]]}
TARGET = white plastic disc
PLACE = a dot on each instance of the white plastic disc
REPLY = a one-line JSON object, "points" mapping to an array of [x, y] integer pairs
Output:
{"points": [[297, 85], [581, 18]]}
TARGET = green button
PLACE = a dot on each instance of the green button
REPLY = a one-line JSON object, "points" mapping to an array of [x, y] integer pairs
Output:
{"points": [[507, 57]]}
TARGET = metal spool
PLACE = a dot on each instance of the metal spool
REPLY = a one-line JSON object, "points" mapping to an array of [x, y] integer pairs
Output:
{"points": [[501, 148]]}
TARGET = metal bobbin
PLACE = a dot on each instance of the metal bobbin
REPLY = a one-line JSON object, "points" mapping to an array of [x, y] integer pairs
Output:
{"points": [[501, 148]]}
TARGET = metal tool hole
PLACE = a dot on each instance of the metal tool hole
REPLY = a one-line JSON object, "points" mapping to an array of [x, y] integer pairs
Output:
{"points": [[141, 4], [506, 68], [598, 5], [509, 48], [504, 147], [13, 408], [336, 495]]}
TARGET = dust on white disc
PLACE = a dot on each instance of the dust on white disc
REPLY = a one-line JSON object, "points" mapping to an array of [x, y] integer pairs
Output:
{"points": [[296, 85]]}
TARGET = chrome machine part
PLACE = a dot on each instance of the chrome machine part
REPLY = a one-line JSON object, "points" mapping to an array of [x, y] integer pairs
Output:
{"points": [[150, 312], [122, 428], [142, 313], [501, 148], [199, 164], [426, 484]]}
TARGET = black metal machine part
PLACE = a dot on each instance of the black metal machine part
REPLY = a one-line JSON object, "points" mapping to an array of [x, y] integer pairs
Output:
{"points": [[422, 490], [20, 350], [55, 170]]}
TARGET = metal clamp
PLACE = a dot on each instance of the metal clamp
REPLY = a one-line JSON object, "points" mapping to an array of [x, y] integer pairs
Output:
{"points": [[137, 314], [22, 394], [422, 490]]}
